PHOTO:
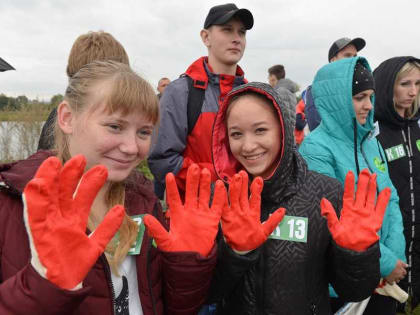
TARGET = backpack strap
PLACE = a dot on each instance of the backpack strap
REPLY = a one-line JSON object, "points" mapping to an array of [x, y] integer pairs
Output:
{"points": [[196, 90]]}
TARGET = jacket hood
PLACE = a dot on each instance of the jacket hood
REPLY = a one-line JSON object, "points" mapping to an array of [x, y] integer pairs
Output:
{"points": [[284, 179], [385, 75], [332, 94]]}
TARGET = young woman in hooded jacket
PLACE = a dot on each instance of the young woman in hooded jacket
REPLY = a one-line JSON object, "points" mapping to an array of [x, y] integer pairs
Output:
{"points": [[50, 263], [286, 271], [397, 83], [345, 140]]}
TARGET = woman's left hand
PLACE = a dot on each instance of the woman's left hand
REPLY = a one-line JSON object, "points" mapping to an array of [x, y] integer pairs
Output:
{"points": [[241, 223], [361, 218]]}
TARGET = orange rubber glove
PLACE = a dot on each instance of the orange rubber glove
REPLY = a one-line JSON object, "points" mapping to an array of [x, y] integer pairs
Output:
{"points": [[193, 226], [57, 203], [241, 223], [360, 218]]}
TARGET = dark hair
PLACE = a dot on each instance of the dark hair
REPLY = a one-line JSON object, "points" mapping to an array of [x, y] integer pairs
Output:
{"points": [[278, 71]]}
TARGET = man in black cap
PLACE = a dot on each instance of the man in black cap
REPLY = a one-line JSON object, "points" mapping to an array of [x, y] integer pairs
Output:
{"points": [[345, 48], [190, 103], [341, 48]]}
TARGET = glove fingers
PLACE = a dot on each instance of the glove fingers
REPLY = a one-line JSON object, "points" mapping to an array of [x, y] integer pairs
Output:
{"points": [[348, 195], [219, 199], [243, 199], [204, 195], [36, 204], [327, 210], [89, 186], [156, 230], [172, 194], [191, 190], [235, 192], [381, 205], [49, 170], [362, 188], [108, 227], [273, 221], [69, 178], [255, 199], [371, 193]]}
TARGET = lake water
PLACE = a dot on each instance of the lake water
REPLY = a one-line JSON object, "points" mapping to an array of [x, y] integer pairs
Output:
{"points": [[18, 140]]}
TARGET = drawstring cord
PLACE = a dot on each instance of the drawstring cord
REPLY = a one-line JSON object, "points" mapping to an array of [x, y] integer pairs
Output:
{"points": [[355, 146], [380, 152]]}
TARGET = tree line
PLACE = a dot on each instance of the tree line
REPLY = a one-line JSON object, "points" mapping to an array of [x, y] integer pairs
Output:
{"points": [[21, 102]]}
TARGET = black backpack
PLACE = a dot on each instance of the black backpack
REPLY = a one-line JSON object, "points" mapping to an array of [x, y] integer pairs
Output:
{"points": [[195, 101]]}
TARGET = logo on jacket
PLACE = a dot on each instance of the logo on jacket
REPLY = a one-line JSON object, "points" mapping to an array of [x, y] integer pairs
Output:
{"points": [[380, 165]]}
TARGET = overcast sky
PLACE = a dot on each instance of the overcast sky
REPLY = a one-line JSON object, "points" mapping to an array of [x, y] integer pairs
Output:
{"points": [[162, 38]]}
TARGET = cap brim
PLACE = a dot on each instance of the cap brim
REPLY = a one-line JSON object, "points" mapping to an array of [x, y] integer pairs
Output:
{"points": [[242, 14], [358, 42]]}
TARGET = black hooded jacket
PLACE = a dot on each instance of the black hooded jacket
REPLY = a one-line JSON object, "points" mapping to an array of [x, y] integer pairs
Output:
{"points": [[281, 276], [400, 139]]}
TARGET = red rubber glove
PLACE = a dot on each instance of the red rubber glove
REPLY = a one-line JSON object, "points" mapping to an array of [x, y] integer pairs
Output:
{"points": [[241, 223], [360, 218], [56, 209], [193, 226]]}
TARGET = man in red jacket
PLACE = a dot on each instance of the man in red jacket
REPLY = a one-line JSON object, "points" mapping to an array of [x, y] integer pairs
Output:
{"points": [[179, 144]]}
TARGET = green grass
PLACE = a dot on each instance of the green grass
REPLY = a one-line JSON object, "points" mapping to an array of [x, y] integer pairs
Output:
{"points": [[24, 115]]}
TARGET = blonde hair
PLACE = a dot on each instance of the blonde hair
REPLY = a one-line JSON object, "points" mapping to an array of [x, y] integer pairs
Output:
{"points": [[94, 46], [126, 92], [407, 68]]}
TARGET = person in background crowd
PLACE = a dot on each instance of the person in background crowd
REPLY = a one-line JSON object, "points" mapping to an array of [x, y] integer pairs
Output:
{"points": [[185, 138], [104, 126], [343, 94], [397, 112], [162, 84], [341, 48], [86, 48], [277, 78]]}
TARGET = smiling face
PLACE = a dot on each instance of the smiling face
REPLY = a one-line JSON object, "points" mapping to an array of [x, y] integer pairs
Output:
{"points": [[226, 43], [116, 140], [406, 91], [254, 133], [362, 104]]}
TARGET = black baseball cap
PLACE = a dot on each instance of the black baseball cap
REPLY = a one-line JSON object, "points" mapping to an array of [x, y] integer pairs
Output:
{"points": [[220, 14], [339, 44]]}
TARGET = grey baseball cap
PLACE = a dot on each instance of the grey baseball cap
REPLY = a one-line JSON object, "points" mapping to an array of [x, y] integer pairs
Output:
{"points": [[339, 44]]}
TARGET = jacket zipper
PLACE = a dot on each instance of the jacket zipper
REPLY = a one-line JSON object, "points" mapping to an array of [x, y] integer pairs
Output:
{"points": [[407, 143], [109, 280]]}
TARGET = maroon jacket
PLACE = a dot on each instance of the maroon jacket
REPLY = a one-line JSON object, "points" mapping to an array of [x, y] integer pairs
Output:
{"points": [[169, 283]]}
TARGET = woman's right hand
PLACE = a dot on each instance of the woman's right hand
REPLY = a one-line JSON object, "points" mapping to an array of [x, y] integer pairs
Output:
{"points": [[57, 203], [241, 223], [398, 273]]}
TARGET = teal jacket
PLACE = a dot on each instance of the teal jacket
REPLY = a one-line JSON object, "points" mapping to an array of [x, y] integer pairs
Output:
{"points": [[330, 149]]}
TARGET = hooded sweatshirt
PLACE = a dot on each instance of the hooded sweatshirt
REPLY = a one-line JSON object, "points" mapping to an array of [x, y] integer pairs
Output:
{"points": [[340, 144], [400, 139], [286, 276]]}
